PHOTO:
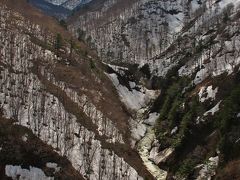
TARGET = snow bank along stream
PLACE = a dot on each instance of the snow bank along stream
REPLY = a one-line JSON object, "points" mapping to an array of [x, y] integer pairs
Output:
{"points": [[142, 130]]}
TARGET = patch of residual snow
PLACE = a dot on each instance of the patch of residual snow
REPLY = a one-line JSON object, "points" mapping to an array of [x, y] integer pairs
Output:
{"points": [[208, 170], [151, 120], [206, 93], [148, 147], [56, 2], [213, 110], [33, 173], [53, 166], [69, 4], [238, 115], [139, 128], [144, 147], [224, 3], [133, 98]]}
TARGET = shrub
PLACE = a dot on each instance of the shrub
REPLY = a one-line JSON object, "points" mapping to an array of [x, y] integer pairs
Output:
{"points": [[186, 168]]}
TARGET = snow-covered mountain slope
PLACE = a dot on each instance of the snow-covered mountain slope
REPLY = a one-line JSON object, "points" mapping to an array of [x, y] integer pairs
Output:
{"points": [[51, 9], [163, 105], [130, 31], [56, 2], [192, 50], [141, 31], [23, 155], [60, 9], [68, 4], [45, 75]]}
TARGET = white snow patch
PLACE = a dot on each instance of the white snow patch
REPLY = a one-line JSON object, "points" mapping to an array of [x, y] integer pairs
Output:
{"points": [[133, 99], [53, 166], [17, 172], [214, 109], [144, 146], [132, 84], [116, 68], [238, 115], [151, 119], [199, 119], [238, 140], [174, 130], [138, 130], [201, 75], [176, 22], [208, 170], [121, 70], [209, 91], [224, 3], [25, 138], [56, 2], [186, 71], [195, 5]]}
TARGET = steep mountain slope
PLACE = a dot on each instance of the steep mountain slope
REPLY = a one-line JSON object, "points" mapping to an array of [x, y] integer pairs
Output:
{"points": [[69, 4], [51, 9], [60, 9], [20, 147], [56, 87], [130, 31], [64, 4], [163, 105], [138, 31], [198, 125]]}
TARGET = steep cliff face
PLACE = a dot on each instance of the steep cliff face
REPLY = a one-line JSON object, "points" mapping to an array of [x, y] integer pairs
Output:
{"points": [[130, 31], [141, 31]]}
